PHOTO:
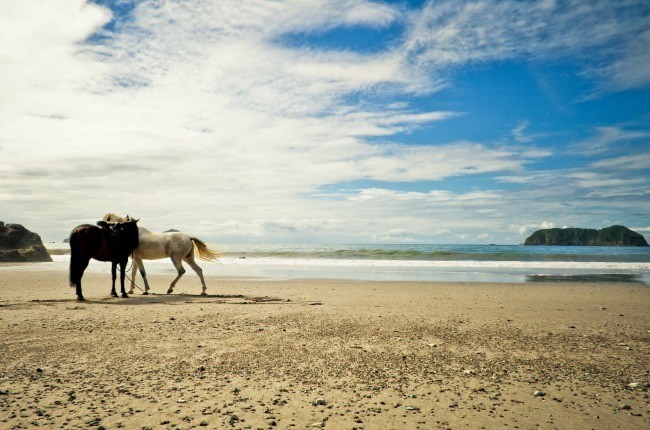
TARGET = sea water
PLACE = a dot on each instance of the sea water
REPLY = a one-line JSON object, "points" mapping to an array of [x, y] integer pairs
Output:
{"points": [[420, 262]]}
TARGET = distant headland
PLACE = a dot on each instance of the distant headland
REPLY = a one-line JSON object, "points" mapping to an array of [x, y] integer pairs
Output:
{"points": [[616, 235]]}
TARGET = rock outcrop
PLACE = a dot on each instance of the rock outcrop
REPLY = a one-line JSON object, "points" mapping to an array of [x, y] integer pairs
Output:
{"points": [[616, 235], [18, 245]]}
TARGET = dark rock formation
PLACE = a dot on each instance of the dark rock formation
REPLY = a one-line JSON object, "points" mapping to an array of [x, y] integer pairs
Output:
{"points": [[17, 244], [616, 235]]}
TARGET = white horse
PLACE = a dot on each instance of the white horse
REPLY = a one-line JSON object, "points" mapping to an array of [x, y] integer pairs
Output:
{"points": [[177, 246]]}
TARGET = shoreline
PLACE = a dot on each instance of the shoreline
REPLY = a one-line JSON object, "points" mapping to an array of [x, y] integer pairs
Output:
{"points": [[378, 355], [386, 270]]}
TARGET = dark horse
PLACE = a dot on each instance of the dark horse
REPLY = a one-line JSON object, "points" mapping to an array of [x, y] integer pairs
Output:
{"points": [[112, 242]]}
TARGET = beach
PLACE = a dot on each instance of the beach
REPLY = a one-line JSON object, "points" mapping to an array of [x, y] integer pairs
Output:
{"points": [[319, 353]]}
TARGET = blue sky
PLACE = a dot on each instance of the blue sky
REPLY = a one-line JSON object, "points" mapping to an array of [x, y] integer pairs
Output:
{"points": [[341, 121]]}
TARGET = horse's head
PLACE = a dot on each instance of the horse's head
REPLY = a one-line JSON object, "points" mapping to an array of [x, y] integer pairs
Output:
{"points": [[114, 218], [128, 232]]}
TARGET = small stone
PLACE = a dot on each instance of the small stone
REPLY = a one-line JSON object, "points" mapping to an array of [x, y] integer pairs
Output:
{"points": [[539, 393], [633, 385], [181, 400], [625, 407], [172, 319], [315, 303], [39, 370], [319, 424], [94, 422], [412, 408], [319, 402]]}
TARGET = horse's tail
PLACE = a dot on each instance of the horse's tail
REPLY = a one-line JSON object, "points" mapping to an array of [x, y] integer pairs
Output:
{"points": [[205, 253]]}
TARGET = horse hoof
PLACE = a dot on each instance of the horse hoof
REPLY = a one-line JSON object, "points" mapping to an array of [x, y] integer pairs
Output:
{"points": [[146, 293], [81, 299], [203, 293], [169, 291], [125, 296]]}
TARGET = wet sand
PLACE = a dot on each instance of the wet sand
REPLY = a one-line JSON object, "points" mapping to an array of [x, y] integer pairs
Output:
{"points": [[260, 354]]}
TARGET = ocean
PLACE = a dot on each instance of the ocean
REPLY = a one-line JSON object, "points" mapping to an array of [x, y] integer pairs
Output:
{"points": [[448, 263]]}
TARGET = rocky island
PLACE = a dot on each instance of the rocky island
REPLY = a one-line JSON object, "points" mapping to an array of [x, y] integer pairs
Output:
{"points": [[19, 245], [616, 235]]}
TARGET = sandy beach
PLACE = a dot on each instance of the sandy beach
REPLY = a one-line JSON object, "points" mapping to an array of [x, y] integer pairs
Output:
{"points": [[260, 354]]}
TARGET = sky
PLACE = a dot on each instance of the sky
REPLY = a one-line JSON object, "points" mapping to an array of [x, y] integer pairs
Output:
{"points": [[326, 121]]}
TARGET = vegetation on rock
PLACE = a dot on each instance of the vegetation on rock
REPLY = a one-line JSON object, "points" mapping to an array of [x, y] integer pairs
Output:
{"points": [[616, 235]]}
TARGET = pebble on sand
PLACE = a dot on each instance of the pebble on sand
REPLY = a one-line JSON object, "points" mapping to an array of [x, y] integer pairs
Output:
{"points": [[539, 393]]}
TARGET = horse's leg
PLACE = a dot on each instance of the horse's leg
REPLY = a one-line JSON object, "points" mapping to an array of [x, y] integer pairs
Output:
{"points": [[178, 264], [143, 273], [122, 276], [135, 267], [113, 277], [78, 265], [190, 260], [137, 264]]}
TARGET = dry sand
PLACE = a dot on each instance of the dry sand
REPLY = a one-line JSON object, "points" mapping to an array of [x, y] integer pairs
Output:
{"points": [[259, 354]]}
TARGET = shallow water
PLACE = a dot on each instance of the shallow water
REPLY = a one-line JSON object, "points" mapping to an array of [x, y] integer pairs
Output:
{"points": [[525, 264]]}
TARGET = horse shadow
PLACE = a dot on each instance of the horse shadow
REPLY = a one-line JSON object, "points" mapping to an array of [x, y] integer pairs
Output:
{"points": [[171, 299]]}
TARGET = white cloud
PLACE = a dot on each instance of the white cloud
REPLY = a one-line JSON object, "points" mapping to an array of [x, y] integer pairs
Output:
{"points": [[518, 133], [39, 51], [401, 163], [606, 140], [630, 70], [599, 32], [431, 197], [525, 230], [628, 162]]}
